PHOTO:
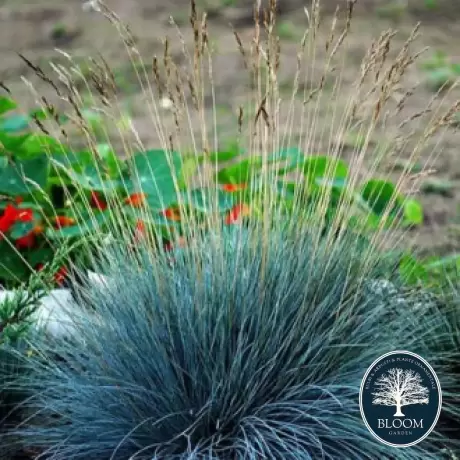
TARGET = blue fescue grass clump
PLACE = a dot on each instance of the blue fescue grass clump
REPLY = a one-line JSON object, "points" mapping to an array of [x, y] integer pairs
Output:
{"points": [[447, 349], [242, 347]]}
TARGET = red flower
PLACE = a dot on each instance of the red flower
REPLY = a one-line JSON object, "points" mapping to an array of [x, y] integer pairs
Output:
{"points": [[8, 218], [237, 213], [26, 241], [136, 199], [24, 215], [60, 275], [171, 214], [233, 187], [63, 221], [97, 201], [140, 229], [12, 215]]}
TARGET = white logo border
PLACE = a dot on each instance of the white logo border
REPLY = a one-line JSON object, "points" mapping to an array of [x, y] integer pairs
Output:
{"points": [[361, 389]]}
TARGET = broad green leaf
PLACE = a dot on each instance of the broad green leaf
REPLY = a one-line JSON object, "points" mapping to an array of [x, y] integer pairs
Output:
{"points": [[293, 154], [323, 167], [78, 161], [23, 176], [240, 173], [379, 194], [21, 229], [339, 183], [42, 255], [110, 159], [218, 157], [189, 167], [413, 212], [154, 172], [209, 199], [86, 225], [294, 158], [12, 267], [12, 144], [40, 143], [6, 104], [14, 124], [287, 189], [3, 162], [91, 179]]}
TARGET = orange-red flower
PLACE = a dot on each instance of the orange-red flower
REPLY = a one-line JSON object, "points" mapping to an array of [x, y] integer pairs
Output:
{"points": [[11, 215], [8, 219], [26, 241], [237, 213], [139, 229], [233, 187], [136, 199], [63, 221], [24, 215], [60, 275], [171, 214], [97, 201]]}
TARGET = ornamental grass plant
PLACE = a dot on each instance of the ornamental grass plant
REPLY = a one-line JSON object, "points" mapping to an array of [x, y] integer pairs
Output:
{"points": [[243, 292]]}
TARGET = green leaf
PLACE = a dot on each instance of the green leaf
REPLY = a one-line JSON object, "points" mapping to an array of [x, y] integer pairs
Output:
{"points": [[41, 144], [89, 224], [295, 158], [292, 153], [323, 167], [153, 172], [12, 144], [110, 159], [77, 161], [413, 212], [12, 267], [6, 104], [14, 124], [3, 162], [378, 194], [86, 176], [42, 255], [209, 199], [189, 168], [21, 177], [240, 173], [219, 157], [21, 229]]}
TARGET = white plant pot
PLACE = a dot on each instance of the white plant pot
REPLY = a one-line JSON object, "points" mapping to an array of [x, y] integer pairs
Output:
{"points": [[53, 314]]}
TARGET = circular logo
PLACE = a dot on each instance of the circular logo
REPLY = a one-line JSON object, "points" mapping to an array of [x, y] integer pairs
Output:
{"points": [[400, 399]]}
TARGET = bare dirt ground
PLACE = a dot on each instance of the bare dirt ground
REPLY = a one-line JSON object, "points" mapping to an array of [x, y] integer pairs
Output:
{"points": [[36, 28]]}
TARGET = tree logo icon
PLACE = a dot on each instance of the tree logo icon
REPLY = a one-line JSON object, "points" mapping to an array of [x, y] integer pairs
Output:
{"points": [[400, 399], [399, 387]]}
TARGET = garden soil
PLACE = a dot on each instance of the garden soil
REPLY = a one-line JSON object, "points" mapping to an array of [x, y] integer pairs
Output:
{"points": [[37, 28]]}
